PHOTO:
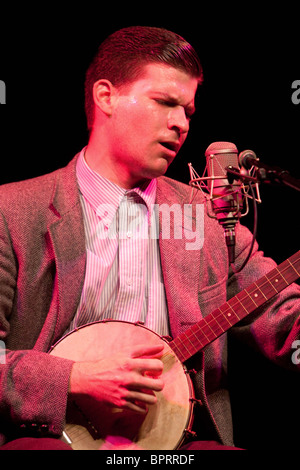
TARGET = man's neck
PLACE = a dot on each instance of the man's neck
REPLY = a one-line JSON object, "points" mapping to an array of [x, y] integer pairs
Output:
{"points": [[102, 163]]}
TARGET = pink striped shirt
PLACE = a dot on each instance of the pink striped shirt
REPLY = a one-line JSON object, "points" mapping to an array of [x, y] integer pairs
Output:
{"points": [[123, 279]]}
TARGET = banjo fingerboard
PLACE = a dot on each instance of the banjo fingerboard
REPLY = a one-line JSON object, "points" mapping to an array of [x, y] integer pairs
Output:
{"points": [[234, 310]]}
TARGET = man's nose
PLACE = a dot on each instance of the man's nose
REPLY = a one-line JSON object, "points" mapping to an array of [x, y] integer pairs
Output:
{"points": [[178, 120]]}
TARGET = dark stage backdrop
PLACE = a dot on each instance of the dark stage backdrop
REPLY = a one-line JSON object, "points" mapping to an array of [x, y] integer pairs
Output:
{"points": [[249, 97]]}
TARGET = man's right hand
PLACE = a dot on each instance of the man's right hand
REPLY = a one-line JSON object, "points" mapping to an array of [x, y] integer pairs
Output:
{"points": [[125, 381]]}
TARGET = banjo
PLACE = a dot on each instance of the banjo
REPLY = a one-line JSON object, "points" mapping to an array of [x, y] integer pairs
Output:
{"points": [[167, 422]]}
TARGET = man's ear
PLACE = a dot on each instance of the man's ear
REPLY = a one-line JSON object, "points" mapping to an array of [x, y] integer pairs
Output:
{"points": [[104, 96]]}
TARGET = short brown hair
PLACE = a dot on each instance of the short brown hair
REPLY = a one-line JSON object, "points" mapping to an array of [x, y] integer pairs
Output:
{"points": [[121, 57]]}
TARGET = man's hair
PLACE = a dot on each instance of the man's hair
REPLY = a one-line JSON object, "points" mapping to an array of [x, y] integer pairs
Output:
{"points": [[123, 55]]}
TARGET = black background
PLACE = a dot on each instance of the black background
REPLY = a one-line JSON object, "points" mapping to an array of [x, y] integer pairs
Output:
{"points": [[250, 57]]}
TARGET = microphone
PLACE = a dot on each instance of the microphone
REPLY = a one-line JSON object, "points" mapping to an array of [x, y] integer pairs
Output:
{"points": [[226, 193], [226, 196], [224, 188], [248, 159]]}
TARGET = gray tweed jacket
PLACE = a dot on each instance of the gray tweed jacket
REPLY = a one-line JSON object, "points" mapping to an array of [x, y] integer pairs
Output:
{"points": [[42, 267]]}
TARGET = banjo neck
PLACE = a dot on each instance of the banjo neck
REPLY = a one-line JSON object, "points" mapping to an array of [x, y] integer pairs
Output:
{"points": [[234, 310]]}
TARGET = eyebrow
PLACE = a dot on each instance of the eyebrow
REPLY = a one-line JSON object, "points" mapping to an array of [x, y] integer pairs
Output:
{"points": [[190, 107]]}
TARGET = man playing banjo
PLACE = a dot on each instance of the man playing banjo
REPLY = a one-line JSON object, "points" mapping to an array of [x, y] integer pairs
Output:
{"points": [[69, 257]]}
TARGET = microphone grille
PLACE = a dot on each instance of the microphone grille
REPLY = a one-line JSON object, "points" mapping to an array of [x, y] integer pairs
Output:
{"points": [[220, 147], [219, 155]]}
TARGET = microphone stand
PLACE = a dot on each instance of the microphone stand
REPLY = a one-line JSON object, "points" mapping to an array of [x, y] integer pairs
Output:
{"points": [[267, 174], [264, 174], [232, 174]]}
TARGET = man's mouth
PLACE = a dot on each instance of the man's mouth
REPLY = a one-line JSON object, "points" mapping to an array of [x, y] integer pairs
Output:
{"points": [[171, 146]]}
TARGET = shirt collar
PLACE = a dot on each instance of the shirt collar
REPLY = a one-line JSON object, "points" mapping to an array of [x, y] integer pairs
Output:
{"points": [[105, 196]]}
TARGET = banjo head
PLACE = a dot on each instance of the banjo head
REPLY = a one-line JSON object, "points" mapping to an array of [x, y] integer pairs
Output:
{"points": [[92, 426]]}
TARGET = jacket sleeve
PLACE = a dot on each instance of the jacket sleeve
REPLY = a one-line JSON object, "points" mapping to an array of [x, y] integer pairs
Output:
{"points": [[273, 328], [33, 393], [33, 384]]}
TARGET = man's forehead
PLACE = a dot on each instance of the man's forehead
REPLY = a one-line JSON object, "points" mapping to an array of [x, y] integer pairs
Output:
{"points": [[160, 71], [166, 79]]}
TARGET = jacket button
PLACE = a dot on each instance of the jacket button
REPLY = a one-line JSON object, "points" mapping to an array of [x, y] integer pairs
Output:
{"points": [[44, 428]]}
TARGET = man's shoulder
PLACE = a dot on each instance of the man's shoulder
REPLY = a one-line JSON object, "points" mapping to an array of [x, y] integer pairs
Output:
{"points": [[27, 184], [31, 191], [28, 195]]}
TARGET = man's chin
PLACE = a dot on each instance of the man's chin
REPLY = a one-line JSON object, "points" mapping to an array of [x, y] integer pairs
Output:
{"points": [[155, 171], [161, 167]]}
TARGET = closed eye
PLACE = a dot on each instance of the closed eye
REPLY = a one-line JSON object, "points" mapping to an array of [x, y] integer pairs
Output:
{"points": [[168, 103], [173, 103]]}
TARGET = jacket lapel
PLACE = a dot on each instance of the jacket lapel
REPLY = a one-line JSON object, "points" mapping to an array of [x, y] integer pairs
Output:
{"points": [[180, 265], [66, 233]]}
